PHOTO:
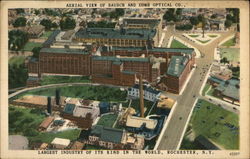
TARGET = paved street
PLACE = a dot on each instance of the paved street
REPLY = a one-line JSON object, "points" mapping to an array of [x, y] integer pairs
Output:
{"points": [[176, 125]]}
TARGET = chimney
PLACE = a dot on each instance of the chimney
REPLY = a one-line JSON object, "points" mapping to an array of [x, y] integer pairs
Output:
{"points": [[141, 96], [57, 96], [49, 107]]}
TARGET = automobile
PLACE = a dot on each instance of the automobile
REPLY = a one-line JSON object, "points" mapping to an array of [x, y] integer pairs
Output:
{"points": [[234, 108], [180, 118], [193, 96], [210, 99], [219, 105]]}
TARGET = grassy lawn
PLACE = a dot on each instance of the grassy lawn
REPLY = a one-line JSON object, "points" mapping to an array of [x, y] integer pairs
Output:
{"points": [[207, 86], [177, 44], [46, 34], [94, 147], [25, 121], [21, 120], [193, 35], [212, 36], [230, 42], [211, 121], [64, 79], [30, 45], [136, 105], [203, 41], [107, 120], [17, 60], [48, 137], [100, 93], [232, 54]]}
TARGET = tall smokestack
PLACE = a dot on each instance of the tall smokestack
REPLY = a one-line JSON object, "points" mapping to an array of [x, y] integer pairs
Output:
{"points": [[141, 96], [49, 107], [57, 96]]}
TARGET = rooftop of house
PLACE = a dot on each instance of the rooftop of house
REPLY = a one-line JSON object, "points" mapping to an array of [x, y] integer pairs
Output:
{"points": [[109, 33], [229, 88], [64, 51], [35, 29], [177, 65], [60, 141], [147, 88], [77, 145], [46, 122], [121, 59], [82, 111], [137, 122], [154, 49], [107, 134]]}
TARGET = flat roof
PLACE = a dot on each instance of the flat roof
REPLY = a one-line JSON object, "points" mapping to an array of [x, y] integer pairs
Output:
{"points": [[122, 59], [152, 22], [137, 122], [60, 141], [154, 49], [177, 65], [109, 33], [63, 51]]}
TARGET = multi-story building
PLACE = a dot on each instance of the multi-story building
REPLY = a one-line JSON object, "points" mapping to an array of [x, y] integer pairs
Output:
{"points": [[114, 138], [117, 37], [149, 93]]}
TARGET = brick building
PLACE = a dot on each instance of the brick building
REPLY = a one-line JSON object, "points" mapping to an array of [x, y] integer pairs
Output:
{"points": [[117, 37]]}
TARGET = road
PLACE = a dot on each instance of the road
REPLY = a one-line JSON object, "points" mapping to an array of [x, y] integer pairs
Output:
{"points": [[173, 133]]}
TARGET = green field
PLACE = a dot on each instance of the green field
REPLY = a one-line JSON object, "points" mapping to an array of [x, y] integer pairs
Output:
{"points": [[64, 79], [177, 44], [100, 93], [210, 121], [17, 60], [232, 54], [46, 34], [206, 88], [193, 35], [107, 120], [48, 137], [230, 42], [30, 45]]}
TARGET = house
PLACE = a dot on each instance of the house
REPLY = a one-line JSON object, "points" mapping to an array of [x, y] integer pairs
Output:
{"points": [[46, 123], [60, 143], [150, 93], [77, 145], [229, 91], [114, 138]]}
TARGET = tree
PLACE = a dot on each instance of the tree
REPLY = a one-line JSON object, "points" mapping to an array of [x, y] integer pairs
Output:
{"points": [[54, 25], [21, 21], [228, 23], [19, 10], [224, 60], [194, 20], [36, 12], [117, 13], [46, 23], [214, 16], [36, 51], [67, 23], [169, 16], [178, 11], [17, 39]]}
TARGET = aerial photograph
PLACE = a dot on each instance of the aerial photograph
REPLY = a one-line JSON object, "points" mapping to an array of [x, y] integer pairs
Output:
{"points": [[123, 78]]}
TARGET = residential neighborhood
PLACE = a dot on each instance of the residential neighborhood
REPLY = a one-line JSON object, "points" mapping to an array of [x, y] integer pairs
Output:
{"points": [[124, 78]]}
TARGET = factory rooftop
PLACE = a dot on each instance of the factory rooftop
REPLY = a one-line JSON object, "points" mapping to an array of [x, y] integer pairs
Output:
{"points": [[154, 49], [121, 59], [151, 22], [107, 134], [64, 51], [177, 65], [109, 33]]}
